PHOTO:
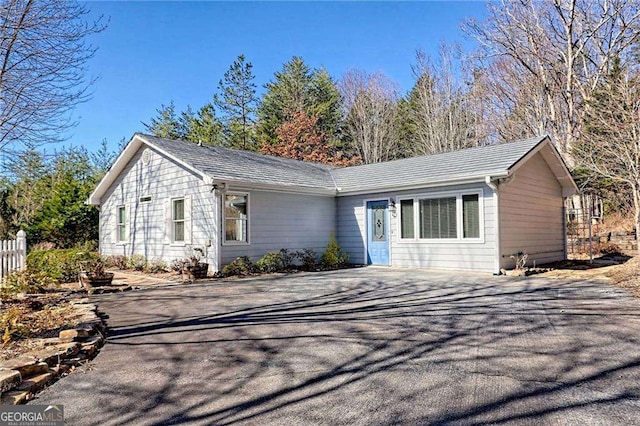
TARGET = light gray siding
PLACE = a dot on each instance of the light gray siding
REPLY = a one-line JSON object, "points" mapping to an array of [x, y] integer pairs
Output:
{"points": [[531, 214], [161, 179], [283, 220], [459, 254]]}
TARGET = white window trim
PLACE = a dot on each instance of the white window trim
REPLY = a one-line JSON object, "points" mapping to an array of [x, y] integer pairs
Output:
{"points": [[173, 222], [459, 217], [224, 220], [125, 241]]}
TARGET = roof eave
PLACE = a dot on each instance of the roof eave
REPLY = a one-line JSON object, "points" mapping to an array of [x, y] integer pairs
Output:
{"points": [[114, 171], [237, 184], [560, 169], [480, 178]]}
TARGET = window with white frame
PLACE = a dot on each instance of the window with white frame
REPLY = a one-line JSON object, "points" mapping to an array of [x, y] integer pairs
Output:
{"points": [[438, 218], [406, 219], [177, 218], [121, 226], [471, 216], [452, 216], [236, 218]]}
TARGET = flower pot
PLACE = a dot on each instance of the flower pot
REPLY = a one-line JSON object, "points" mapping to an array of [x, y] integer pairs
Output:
{"points": [[195, 272], [89, 280]]}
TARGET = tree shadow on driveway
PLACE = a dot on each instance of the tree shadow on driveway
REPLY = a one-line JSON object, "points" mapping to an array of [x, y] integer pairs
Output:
{"points": [[364, 347]]}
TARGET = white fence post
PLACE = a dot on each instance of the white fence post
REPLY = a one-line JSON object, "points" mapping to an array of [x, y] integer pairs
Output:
{"points": [[13, 254], [21, 249]]}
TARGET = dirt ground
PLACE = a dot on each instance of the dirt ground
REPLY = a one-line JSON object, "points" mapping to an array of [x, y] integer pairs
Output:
{"points": [[619, 271]]}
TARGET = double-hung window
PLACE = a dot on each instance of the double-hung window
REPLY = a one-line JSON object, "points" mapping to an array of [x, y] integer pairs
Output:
{"points": [[236, 218], [450, 217], [470, 216], [177, 218], [121, 227]]}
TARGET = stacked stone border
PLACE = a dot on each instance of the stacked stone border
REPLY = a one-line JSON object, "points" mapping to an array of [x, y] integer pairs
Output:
{"points": [[21, 378]]}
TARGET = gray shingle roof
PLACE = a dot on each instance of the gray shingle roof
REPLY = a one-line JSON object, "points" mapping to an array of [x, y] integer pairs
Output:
{"points": [[223, 163], [448, 166], [230, 164]]}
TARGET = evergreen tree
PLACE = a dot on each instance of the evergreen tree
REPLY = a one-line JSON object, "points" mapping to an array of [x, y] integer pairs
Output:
{"points": [[237, 101], [299, 89], [203, 127], [166, 123]]}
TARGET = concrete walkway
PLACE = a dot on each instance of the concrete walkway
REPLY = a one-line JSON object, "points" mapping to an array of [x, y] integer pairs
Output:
{"points": [[364, 346]]}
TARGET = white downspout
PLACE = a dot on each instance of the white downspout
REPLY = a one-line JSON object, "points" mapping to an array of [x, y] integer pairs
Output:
{"points": [[496, 211]]}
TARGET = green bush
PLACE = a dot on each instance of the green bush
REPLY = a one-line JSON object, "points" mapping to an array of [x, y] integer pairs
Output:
{"points": [[307, 258], [241, 266], [26, 281], [333, 255], [61, 265], [271, 262], [137, 262]]}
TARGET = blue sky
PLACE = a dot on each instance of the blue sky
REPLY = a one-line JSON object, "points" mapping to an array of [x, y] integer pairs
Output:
{"points": [[155, 52]]}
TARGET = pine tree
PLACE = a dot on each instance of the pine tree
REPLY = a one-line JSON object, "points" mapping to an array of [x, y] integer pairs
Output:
{"points": [[237, 101], [299, 89], [203, 126], [166, 123]]}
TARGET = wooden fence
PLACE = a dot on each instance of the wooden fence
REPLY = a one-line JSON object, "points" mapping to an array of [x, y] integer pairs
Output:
{"points": [[13, 254]]}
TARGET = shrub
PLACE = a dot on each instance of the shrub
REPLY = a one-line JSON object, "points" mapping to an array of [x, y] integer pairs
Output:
{"points": [[241, 266], [179, 264], [287, 258], [607, 249], [61, 265], [11, 324], [116, 261], [307, 258], [333, 255], [156, 266], [271, 262], [26, 281], [137, 262]]}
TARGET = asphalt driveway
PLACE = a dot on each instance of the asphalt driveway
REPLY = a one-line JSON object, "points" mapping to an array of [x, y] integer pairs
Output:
{"points": [[363, 346]]}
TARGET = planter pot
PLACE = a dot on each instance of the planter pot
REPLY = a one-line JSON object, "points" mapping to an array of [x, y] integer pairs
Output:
{"points": [[196, 272], [89, 281]]}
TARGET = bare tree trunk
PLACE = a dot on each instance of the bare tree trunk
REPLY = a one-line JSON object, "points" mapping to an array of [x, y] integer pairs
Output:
{"points": [[636, 217]]}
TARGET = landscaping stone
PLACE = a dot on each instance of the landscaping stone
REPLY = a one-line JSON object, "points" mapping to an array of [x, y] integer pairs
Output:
{"points": [[14, 397], [29, 373], [48, 341], [25, 365], [114, 288], [9, 379], [74, 335], [69, 349], [92, 344], [50, 356], [35, 383]]}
